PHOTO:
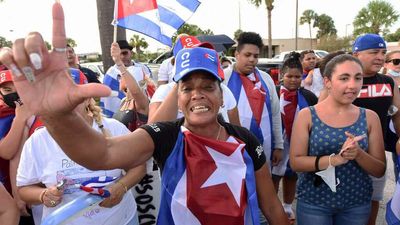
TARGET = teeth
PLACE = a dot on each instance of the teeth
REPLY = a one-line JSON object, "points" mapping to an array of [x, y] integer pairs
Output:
{"points": [[200, 108]]}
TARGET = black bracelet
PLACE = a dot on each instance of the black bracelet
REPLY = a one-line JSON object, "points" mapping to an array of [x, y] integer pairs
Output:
{"points": [[317, 163]]}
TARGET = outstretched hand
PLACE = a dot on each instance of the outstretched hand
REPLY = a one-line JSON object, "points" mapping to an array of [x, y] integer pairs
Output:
{"points": [[42, 77]]}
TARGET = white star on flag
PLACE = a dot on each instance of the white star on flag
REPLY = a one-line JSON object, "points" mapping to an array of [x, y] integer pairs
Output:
{"points": [[230, 170], [283, 104]]}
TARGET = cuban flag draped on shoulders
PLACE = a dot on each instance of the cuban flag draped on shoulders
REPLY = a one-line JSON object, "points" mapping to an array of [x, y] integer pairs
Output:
{"points": [[112, 103], [208, 182], [393, 206], [159, 19]]}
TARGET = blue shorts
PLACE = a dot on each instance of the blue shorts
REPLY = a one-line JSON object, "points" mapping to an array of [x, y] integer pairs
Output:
{"points": [[311, 214]]}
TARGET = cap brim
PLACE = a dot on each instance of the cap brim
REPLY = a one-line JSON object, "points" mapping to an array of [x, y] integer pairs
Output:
{"points": [[206, 45], [188, 71]]}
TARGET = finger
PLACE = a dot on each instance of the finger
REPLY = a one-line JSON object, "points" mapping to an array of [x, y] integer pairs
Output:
{"points": [[348, 134], [59, 39], [91, 90], [7, 58], [22, 60], [35, 49]]}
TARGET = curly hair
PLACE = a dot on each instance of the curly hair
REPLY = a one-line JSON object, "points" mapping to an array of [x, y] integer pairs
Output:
{"points": [[292, 62], [249, 38]]}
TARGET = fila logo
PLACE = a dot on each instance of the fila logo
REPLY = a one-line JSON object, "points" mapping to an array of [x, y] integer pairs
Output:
{"points": [[376, 91]]}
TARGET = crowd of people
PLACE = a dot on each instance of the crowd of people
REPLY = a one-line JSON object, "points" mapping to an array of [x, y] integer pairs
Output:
{"points": [[210, 145]]}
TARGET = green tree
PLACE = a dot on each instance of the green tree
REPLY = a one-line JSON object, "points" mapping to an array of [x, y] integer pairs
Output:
{"points": [[326, 26], [192, 30], [138, 42], [376, 18], [270, 7], [308, 16], [71, 42], [4, 42], [331, 43], [237, 34], [48, 45], [393, 36]]}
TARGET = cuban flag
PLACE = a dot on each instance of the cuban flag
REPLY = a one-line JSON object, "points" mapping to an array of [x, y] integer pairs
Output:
{"points": [[208, 182], [7, 115], [254, 106], [96, 185], [393, 206], [159, 19], [112, 103], [291, 102]]}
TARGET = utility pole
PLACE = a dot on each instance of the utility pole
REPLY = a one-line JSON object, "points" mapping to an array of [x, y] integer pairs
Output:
{"points": [[240, 17], [297, 24]]}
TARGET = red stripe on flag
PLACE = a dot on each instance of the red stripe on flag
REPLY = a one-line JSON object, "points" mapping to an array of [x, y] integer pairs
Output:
{"points": [[131, 7]]}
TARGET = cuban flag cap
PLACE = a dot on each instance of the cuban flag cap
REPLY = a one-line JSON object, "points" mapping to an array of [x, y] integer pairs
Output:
{"points": [[198, 58], [186, 41]]}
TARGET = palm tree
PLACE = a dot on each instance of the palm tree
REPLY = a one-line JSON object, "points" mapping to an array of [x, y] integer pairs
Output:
{"points": [[326, 26], [137, 42], [105, 15], [376, 18], [270, 7], [307, 17]]}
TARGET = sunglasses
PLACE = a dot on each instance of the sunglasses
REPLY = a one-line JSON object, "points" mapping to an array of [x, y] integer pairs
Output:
{"points": [[394, 61], [125, 53]]}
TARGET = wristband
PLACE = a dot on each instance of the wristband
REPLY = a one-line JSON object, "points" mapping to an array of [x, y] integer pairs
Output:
{"points": [[42, 195], [317, 163], [123, 185]]}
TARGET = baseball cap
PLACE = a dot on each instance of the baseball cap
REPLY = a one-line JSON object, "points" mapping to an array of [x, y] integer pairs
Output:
{"points": [[123, 44], [197, 58], [368, 41], [5, 76], [186, 41]]}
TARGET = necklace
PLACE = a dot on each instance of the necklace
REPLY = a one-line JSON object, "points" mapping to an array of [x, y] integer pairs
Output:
{"points": [[219, 132]]}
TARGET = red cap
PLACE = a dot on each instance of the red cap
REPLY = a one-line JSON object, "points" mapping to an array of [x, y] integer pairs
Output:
{"points": [[5, 76]]}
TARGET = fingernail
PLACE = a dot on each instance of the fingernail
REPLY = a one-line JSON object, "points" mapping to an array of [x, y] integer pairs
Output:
{"points": [[28, 71], [15, 70], [36, 60]]}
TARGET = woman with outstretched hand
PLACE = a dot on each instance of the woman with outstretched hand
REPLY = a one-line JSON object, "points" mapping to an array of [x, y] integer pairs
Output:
{"points": [[212, 172]]}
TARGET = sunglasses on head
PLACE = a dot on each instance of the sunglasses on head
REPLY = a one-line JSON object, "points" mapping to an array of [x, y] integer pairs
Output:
{"points": [[394, 61]]}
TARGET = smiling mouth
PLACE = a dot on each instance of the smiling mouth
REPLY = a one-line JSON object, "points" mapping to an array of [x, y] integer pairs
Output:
{"points": [[199, 109]]}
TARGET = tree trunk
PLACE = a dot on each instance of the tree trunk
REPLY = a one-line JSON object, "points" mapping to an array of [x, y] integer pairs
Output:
{"points": [[105, 15], [269, 34], [309, 26]]}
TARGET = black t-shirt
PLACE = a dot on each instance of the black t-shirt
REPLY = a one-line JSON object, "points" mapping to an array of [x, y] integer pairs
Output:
{"points": [[377, 94], [165, 134]]}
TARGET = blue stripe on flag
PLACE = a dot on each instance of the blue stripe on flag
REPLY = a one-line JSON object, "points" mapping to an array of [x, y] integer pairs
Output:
{"points": [[252, 202], [5, 125], [144, 26], [170, 18], [175, 167], [391, 218], [192, 5], [111, 82]]}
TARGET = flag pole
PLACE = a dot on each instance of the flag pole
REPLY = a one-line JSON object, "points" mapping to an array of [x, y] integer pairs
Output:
{"points": [[115, 21]]}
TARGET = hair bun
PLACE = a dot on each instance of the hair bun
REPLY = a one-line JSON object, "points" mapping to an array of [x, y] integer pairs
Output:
{"points": [[294, 55]]}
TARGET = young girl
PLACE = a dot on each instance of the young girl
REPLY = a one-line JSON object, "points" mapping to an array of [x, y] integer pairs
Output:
{"points": [[337, 146], [292, 99]]}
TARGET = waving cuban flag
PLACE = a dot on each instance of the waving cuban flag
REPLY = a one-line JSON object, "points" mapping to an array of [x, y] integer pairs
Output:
{"points": [[159, 19], [208, 182]]}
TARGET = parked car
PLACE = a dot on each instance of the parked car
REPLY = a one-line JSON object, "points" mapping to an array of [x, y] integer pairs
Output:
{"points": [[284, 55], [271, 67], [96, 67]]}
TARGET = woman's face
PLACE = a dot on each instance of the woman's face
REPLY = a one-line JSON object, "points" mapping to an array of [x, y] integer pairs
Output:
{"points": [[199, 98], [391, 63], [7, 88], [346, 82], [292, 79]]}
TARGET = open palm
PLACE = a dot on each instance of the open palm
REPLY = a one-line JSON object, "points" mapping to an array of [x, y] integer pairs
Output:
{"points": [[53, 90]]}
